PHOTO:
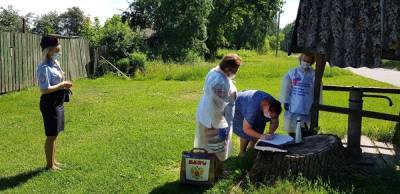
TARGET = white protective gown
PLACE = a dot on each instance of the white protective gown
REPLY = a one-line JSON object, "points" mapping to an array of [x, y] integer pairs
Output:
{"points": [[298, 91], [215, 111]]}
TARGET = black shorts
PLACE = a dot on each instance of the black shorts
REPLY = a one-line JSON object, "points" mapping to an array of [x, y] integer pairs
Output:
{"points": [[52, 108]]}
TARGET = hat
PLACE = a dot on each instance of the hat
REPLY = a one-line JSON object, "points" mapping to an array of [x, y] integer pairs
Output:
{"points": [[49, 41]]}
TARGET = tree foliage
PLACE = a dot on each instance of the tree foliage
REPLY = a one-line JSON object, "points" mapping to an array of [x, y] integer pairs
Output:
{"points": [[92, 31], [119, 39], [71, 21], [288, 32], [11, 20], [181, 27], [203, 26], [240, 24], [47, 23], [140, 13]]}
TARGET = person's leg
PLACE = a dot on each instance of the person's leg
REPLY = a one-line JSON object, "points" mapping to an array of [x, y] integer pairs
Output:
{"points": [[54, 153], [219, 168], [49, 151], [252, 144], [243, 146]]}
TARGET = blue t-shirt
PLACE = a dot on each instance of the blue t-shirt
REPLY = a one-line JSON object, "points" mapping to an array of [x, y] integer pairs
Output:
{"points": [[248, 106], [49, 74]]}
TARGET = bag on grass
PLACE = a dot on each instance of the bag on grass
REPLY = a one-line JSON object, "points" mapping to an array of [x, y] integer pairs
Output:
{"points": [[198, 167]]}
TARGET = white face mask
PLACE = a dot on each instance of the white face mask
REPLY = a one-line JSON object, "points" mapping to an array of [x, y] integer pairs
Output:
{"points": [[232, 76], [56, 56], [266, 114], [304, 65]]}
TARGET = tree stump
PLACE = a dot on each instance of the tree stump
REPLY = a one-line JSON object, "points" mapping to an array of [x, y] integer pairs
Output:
{"points": [[317, 156]]}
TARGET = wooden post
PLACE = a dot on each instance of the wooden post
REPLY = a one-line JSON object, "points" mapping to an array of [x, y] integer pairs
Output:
{"points": [[319, 72], [23, 25], [277, 33], [354, 122]]}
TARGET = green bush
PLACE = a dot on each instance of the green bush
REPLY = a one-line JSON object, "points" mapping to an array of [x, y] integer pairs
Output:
{"points": [[138, 62], [193, 57], [102, 68], [124, 65], [265, 48]]}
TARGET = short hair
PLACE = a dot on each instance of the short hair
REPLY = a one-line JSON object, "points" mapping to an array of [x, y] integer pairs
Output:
{"points": [[308, 55], [230, 60], [275, 106], [48, 41]]}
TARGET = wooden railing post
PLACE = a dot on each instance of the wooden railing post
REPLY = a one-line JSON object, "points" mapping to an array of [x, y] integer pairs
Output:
{"points": [[319, 72], [354, 122]]}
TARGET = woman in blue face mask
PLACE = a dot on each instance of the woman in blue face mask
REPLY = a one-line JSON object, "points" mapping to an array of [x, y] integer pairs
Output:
{"points": [[297, 94], [54, 90]]}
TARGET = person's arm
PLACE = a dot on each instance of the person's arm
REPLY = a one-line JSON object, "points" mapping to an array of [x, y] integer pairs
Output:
{"points": [[61, 85], [286, 89], [274, 124], [250, 131]]}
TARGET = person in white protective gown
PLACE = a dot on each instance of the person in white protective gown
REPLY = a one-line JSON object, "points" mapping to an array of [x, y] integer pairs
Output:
{"points": [[216, 108], [297, 95]]}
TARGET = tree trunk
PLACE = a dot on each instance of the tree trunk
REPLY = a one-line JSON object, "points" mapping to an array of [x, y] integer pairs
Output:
{"points": [[317, 156]]}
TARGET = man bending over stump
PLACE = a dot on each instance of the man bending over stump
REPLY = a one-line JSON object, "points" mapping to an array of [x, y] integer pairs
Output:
{"points": [[253, 109]]}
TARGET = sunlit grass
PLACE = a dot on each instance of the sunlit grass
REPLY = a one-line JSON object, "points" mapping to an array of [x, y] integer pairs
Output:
{"points": [[126, 136]]}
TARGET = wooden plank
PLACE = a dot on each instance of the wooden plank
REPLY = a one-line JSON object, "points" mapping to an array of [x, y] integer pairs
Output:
{"points": [[11, 71], [8, 62], [18, 64], [2, 64], [79, 57], [31, 59], [38, 55], [87, 56], [82, 57], [29, 52], [5, 59], [67, 62], [34, 55], [24, 57], [364, 89], [73, 65], [77, 61], [365, 113]]}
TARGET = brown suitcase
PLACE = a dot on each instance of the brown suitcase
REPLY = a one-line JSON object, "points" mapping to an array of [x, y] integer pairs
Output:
{"points": [[198, 167]]}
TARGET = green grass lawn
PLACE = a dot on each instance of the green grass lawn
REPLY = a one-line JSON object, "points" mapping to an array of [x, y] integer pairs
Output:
{"points": [[126, 136]]}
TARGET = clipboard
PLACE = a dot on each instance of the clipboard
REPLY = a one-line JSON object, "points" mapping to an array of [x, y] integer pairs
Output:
{"points": [[277, 144]]}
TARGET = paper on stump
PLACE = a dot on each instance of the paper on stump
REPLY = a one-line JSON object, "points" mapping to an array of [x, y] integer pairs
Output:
{"points": [[275, 144]]}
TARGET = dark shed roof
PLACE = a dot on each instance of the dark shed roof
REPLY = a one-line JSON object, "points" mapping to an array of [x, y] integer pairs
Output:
{"points": [[356, 33]]}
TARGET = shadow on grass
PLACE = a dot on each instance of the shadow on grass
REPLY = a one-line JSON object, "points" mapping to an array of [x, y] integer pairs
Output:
{"points": [[177, 187], [237, 167], [17, 180]]}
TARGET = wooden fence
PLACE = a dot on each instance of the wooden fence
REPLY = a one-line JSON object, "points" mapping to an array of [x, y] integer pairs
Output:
{"points": [[20, 53]]}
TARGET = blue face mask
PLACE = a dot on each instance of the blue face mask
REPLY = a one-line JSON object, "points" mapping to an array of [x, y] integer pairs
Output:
{"points": [[56, 56]]}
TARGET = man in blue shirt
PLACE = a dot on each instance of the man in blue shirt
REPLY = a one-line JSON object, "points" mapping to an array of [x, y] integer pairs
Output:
{"points": [[253, 110]]}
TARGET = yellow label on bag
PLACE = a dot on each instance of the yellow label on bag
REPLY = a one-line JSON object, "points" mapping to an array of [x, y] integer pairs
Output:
{"points": [[197, 169]]}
